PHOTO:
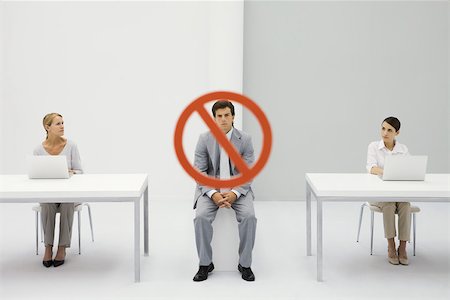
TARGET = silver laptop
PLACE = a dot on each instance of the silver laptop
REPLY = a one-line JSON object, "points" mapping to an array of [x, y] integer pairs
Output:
{"points": [[47, 166], [405, 167]]}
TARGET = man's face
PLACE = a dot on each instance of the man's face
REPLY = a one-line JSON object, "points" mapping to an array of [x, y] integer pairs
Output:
{"points": [[224, 119]]}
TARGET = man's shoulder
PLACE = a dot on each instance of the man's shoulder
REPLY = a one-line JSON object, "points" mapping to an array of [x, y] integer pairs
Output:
{"points": [[207, 135], [242, 134], [206, 138]]}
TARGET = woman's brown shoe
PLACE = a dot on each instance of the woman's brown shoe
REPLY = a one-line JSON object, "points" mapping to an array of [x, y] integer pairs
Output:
{"points": [[393, 258], [402, 259]]}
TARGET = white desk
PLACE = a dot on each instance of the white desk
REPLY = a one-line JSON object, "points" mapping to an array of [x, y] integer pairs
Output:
{"points": [[366, 187], [84, 188]]}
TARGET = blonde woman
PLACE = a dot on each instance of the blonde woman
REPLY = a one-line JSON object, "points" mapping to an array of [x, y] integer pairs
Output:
{"points": [[377, 151], [56, 144]]}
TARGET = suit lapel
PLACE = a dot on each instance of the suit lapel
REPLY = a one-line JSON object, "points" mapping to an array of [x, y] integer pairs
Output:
{"points": [[237, 142], [213, 149]]}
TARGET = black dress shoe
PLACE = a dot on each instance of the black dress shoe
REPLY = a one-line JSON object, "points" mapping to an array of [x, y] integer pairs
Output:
{"points": [[47, 263], [203, 271], [247, 273], [57, 263]]}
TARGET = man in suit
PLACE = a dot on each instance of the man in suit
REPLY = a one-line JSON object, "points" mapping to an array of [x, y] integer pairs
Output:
{"points": [[213, 161]]}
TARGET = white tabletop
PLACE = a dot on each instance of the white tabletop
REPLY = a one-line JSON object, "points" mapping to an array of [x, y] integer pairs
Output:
{"points": [[89, 186], [368, 185]]}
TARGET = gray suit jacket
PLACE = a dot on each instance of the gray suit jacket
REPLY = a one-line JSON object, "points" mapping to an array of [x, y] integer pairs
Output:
{"points": [[207, 160]]}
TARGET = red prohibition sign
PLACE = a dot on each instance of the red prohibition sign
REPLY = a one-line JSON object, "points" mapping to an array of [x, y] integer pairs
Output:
{"points": [[246, 173]]}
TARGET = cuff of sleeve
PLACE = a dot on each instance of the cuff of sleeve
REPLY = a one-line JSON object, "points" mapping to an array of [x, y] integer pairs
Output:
{"points": [[210, 193], [369, 167], [237, 193]]}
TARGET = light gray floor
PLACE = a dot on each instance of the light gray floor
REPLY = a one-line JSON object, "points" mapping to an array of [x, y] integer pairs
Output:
{"points": [[283, 271]]}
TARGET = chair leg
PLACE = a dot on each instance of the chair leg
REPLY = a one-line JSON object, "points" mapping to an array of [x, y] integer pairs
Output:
{"points": [[371, 231], [37, 233], [90, 220], [79, 232], [360, 221], [414, 234], [42, 229]]}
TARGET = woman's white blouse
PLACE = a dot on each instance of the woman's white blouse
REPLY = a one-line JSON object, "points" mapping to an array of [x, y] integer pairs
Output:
{"points": [[377, 152]]}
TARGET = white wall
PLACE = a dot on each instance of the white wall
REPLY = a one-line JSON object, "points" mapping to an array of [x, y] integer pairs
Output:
{"points": [[226, 23], [2, 115], [120, 74], [225, 63], [448, 75], [328, 73]]}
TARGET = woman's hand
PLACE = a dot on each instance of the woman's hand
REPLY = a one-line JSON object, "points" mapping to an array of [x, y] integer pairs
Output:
{"points": [[376, 170]]}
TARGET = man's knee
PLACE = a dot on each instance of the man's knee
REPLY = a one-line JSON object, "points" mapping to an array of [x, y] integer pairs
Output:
{"points": [[202, 216], [247, 217]]}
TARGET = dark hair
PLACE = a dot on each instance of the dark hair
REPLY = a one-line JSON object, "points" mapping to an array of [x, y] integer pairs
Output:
{"points": [[393, 121], [222, 104]]}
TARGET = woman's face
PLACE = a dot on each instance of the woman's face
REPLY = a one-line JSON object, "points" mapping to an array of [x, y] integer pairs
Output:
{"points": [[388, 133], [57, 127]]}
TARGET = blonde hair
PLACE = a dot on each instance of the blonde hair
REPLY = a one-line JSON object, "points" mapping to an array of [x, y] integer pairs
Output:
{"points": [[48, 120]]}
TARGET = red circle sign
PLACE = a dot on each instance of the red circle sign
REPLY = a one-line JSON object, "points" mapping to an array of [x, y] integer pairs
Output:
{"points": [[246, 173]]}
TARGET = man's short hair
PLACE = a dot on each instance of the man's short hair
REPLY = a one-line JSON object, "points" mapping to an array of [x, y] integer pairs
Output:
{"points": [[222, 104]]}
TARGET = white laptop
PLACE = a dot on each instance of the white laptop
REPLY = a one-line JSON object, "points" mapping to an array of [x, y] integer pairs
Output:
{"points": [[47, 166], [405, 167]]}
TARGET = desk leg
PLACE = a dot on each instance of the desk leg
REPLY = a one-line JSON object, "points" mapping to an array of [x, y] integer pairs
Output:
{"points": [[137, 240], [319, 241], [308, 219], [146, 234]]}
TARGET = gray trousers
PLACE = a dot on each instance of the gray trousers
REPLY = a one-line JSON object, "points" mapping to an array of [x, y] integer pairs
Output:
{"points": [[48, 215], [205, 214]]}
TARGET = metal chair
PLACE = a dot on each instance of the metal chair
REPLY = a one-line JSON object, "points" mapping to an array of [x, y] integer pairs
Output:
{"points": [[373, 208], [78, 209]]}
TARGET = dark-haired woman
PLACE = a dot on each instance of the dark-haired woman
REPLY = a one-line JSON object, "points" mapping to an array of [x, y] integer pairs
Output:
{"points": [[377, 151]]}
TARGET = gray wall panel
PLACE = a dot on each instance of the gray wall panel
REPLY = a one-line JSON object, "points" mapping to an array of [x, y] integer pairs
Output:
{"points": [[328, 73]]}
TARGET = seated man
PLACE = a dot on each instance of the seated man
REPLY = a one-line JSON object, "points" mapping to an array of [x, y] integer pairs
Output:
{"points": [[212, 160]]}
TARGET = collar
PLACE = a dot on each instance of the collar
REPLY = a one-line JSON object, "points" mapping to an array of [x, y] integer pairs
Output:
{"points": [[229, 133], [397, 148]]}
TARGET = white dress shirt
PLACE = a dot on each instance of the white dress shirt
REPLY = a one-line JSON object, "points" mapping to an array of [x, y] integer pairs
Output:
{"points": [[211, 192], [377, 152]]}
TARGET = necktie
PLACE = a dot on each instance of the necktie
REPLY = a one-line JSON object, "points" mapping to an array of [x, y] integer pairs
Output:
{"points": [[224, 168]]}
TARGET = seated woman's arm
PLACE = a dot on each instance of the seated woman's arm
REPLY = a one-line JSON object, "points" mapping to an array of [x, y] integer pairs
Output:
{"points": [[376, 170], [372, 163], [76, 161]]}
